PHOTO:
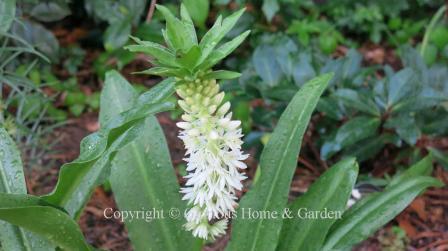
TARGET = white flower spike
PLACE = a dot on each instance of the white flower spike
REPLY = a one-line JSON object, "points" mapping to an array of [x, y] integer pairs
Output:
{"points": [[214, 158]]}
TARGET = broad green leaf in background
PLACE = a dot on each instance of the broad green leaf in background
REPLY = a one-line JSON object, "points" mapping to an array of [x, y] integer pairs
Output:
{"points": [[117, 34], [302, 70], [12, 181], [369, 147], [78, 178], [7, 14], [37, 35], [440, 156], [270, 7], [268, 69], [330, 192], [372, 212], [330, 107], [354, 99], [50, 12], [117, 96], [143, 178], [354, 130], [278, 162], [400, 85], [37, 216], [198, 10], [418, 103], [421, 168], [406, 127]]}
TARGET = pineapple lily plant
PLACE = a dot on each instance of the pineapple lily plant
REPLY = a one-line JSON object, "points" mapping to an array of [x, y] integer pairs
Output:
{"points": [[211, 137], [130, 151]]}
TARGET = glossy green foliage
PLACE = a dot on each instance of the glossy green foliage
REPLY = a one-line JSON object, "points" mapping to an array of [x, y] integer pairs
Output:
{"points": [[361, 111], [7, 14], [78, 178], [12, 181], [277, 163], [199, 10], [369, 214], [143, 178], [330, 192], [43, 219]]}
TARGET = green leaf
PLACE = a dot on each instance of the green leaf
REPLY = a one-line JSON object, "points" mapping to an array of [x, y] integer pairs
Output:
{"points": [[354, 130], [372, 212], [78, 178], [330, 107], [7, 14], [222, 74], [278, 162], [198, 10], [37, 216], [50, 12], [223, 51], [270, 7], [189, 59], [160, 53], [406, 127], [117, 96], [117, 34], [268, 69], [369, 147], [302, 70], [355, 100], [143, 178], [39, 36], [161, 92], [399, 86], [12, 181], [440, 156], [176, 33], [186, 20], [421, 168], [164, 72], [333, 189], [417, 103], [217, 32], [11, 171]]}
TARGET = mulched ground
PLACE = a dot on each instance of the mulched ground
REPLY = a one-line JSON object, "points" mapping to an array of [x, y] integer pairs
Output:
{"points": [[425, 221]]}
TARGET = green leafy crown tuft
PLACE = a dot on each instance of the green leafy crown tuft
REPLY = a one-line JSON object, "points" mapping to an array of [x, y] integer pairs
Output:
{"points": [[184, 57]]}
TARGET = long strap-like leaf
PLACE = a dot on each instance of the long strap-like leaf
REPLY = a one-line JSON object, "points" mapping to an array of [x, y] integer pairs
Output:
{"points": [[143, 179], [329, 193], [278, 162], [35, 215], [12, 181], [78, 178], [369, 214]]}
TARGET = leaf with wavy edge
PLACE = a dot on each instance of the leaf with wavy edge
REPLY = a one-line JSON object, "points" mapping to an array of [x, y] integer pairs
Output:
{"points": [[35, 215], [96, 150]]}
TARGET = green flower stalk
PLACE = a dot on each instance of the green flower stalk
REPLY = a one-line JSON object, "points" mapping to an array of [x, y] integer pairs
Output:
{"points": [[212, 139]]}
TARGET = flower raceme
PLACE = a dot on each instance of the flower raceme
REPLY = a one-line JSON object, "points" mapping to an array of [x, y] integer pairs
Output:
{"points": [[213, 143], [211, 138]]}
